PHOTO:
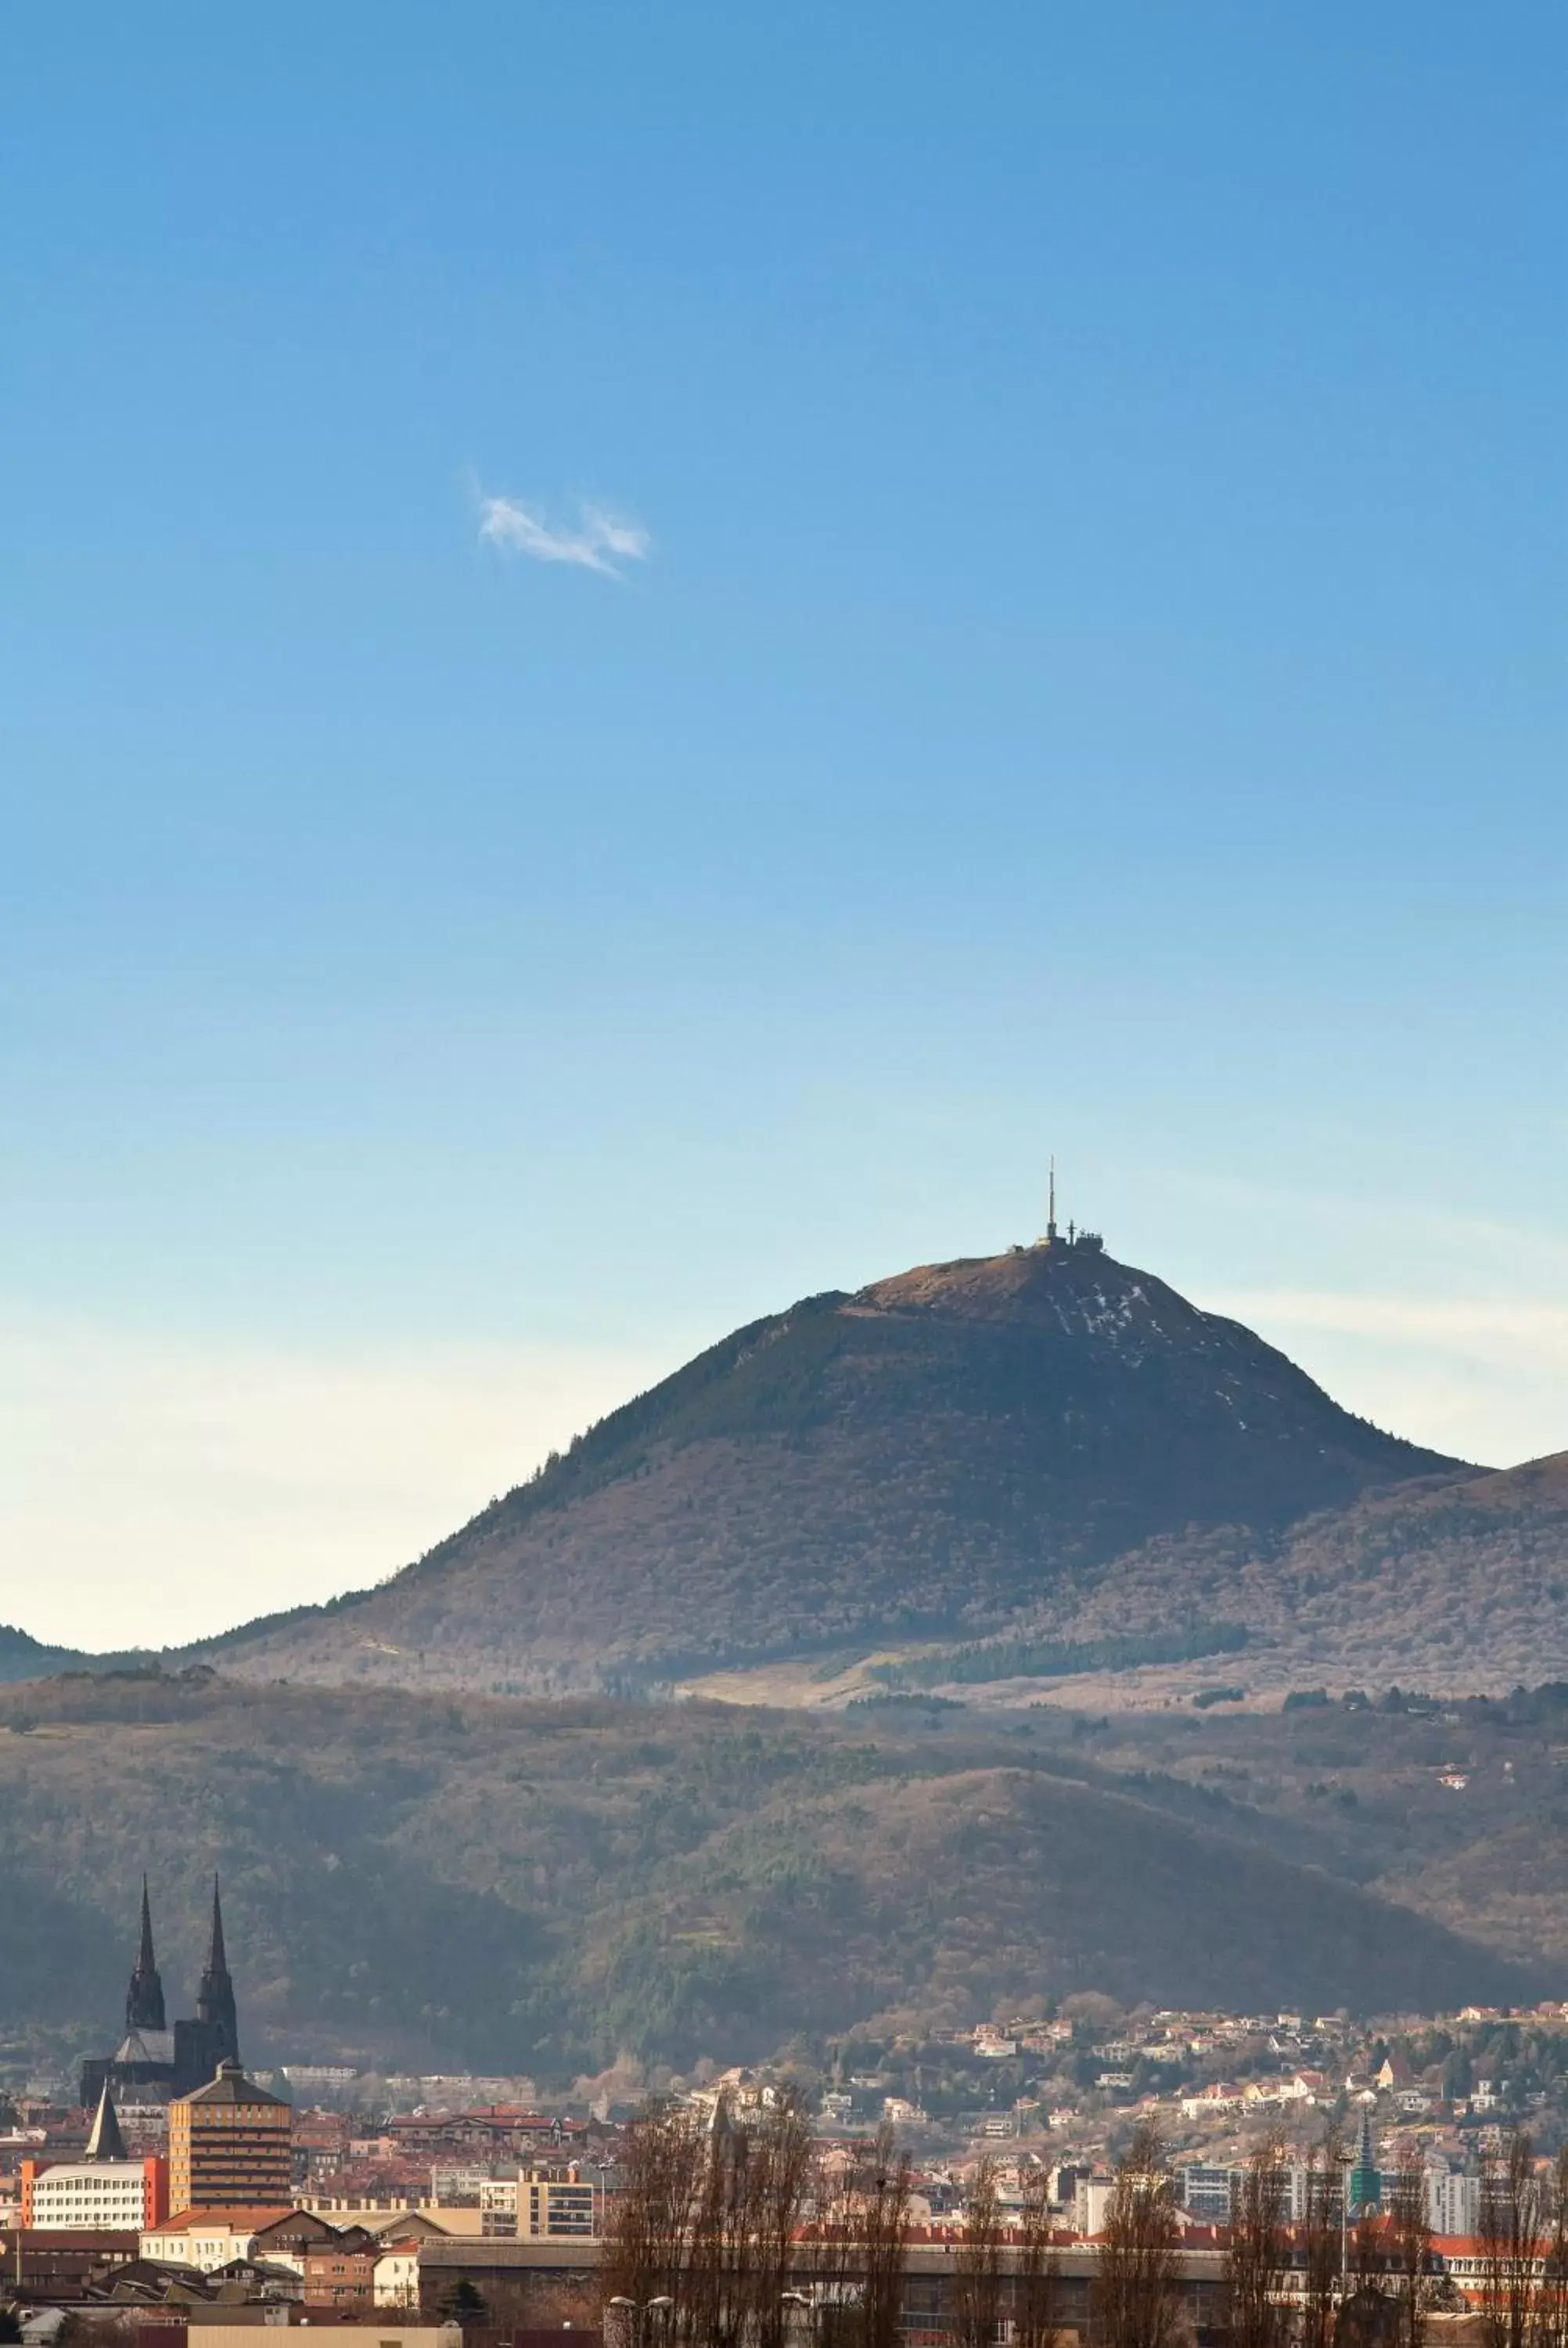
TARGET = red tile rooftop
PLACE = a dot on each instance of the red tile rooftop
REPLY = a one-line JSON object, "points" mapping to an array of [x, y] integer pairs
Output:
{"points": [[254, 2214]]}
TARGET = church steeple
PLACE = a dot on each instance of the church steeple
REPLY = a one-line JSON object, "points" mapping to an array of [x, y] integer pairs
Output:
{"points": [[1366, 2182], [144, 1998], [106, 2142], [215, 1999]]}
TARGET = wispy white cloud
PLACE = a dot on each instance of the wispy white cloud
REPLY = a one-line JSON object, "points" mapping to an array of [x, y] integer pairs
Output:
{"points": [[1505, 1329], [598, 540]]}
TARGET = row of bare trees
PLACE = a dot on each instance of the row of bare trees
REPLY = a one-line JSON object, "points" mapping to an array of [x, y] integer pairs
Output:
{"points": [[1523, 2247], [1290, 2274], [740, 2233], [1307, 2272], [1026, 2295], [1137, 2301], [736, 2235], [1373, 2283]]}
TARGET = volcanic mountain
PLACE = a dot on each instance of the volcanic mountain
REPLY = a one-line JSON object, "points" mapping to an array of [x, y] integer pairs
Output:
{"points": [[935, 1456]]}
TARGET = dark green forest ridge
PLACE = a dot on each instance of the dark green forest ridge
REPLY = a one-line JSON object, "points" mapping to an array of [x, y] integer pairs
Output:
{"points": [[543, 1886], [927, 1458], [23, 1657]]}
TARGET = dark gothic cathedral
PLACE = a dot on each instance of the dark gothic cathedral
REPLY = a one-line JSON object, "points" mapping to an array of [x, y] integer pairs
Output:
{"points": [[152, 2062]]}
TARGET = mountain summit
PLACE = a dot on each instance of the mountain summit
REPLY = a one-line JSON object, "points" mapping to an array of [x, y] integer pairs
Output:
{"points": [[932, 1456]]}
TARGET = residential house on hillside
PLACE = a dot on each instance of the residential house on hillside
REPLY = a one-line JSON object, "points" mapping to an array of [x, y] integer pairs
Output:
{"points": [[1220, 2096]]}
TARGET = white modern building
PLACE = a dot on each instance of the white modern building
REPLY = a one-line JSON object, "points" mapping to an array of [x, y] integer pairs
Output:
{"points": [[115, 2197], [106, 2192], [1453, 2204]]}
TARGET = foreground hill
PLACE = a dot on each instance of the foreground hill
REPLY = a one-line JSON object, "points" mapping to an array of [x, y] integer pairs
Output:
{"points": [[929, 1455], [543, 1886]]}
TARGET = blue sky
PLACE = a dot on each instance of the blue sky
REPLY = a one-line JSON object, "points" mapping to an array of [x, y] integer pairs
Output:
{"points": [[1054, 640]]}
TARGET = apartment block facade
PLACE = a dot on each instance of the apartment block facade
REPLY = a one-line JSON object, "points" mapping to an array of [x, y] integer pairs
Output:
{"points": [[230, 2143]]}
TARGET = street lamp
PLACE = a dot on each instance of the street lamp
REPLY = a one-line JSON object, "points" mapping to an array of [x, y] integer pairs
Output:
{"points": [[639, 2308], [810, 2306]]}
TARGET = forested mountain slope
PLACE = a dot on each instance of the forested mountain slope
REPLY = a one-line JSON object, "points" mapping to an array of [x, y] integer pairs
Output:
{"points": [[543, 1886], [931, 1455]]}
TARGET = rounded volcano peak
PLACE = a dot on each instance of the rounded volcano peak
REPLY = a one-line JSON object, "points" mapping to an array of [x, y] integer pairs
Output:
{"points": [[949, 1446], [1063, 1283]]}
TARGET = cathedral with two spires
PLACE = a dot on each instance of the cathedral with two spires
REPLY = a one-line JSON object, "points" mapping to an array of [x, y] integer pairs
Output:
{"points": [[152, 2062]]}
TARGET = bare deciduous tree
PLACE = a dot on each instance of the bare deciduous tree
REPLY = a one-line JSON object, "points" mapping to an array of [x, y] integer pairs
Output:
{"points": [[1036, 2296], [1136, 2299], [1552, 2312], [850, 2272], [978, 2278], [649, 2227], [1512, 2242], [881, 2237], [1320, 2240], [700, 2240], [1256, 2313], [751, 2197], [1409, 2250]]}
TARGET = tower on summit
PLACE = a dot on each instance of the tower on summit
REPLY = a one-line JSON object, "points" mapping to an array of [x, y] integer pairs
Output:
{"points": [[1075, 1238]]}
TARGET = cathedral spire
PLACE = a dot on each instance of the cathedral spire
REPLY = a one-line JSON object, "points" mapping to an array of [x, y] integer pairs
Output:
{"points": [[215, 1999], [144, 1998], [217, 1962]]}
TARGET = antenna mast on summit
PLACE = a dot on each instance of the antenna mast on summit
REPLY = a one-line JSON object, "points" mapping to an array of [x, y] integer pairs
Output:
{"points": [[1051, 1210]]}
